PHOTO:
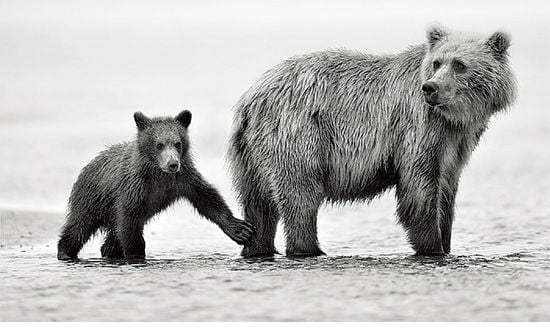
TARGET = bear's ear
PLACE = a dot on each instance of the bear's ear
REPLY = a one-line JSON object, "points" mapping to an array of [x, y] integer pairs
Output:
{"points": [[499, 43], [184, 118], [435, 34], [142, 121]]}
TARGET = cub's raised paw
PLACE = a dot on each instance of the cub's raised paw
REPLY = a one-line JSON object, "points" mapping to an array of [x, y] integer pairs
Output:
{"points": [[239, 231]]}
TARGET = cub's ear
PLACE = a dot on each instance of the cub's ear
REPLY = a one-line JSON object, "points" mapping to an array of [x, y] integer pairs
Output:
{"points": [[184, 118], [142, 121], [499, 43], [435, 34]]}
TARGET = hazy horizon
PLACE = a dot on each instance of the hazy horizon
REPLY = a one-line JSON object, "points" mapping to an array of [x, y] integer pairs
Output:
{"points": [[76, 71]]}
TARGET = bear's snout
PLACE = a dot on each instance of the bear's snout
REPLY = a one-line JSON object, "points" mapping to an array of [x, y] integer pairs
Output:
{"points": [[432, 94], [430, 88]]}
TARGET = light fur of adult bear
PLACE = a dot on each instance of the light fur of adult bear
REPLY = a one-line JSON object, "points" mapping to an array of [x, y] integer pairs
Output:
{"points": [[342, 126]]}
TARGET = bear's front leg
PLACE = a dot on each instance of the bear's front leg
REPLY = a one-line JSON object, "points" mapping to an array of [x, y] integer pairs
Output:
{"points": [[129, 231], [417, 209], [447, 197]]}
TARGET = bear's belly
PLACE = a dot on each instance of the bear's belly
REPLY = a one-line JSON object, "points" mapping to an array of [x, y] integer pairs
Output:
{"points": [[350, 183]]}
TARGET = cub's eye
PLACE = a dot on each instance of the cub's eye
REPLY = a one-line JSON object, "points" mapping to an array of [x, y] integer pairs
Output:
{"points": [[160, 146], [178, 146], [459, 66], [436, 64]]}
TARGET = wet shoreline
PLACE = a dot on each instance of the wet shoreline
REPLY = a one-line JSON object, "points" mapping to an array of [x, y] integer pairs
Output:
{"points": [[211, 282]]}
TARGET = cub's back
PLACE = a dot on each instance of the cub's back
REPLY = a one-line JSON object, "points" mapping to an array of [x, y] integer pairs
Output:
{"points": [[100, 179]]}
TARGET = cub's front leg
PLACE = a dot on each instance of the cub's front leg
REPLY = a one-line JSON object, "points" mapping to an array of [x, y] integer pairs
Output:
{"points": [[111, 247], [209, 203], [130, 221]]}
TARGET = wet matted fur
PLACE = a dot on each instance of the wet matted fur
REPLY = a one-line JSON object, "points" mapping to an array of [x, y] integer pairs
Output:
{"points": [[342, 126]]}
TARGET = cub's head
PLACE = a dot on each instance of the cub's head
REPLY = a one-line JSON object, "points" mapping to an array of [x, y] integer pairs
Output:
{"points": [[467, 78], [163, 140]]}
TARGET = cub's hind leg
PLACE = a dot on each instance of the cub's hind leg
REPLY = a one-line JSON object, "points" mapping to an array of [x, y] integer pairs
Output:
{"points": [[74, 234]]}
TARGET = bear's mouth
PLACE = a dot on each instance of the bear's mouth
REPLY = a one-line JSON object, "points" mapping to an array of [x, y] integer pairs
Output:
{"points": [[168, 171], [436, 103]]}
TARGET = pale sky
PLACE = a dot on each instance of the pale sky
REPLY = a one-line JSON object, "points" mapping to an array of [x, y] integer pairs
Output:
{"points": [[173, 12]]}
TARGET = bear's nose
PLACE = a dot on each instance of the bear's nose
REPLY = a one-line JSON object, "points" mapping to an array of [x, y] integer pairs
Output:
{"points": [[430, 88], [173, 167]]}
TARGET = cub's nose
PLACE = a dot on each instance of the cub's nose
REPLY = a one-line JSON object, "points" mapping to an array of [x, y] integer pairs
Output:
{"points": [[430, 88], [173, 167]]}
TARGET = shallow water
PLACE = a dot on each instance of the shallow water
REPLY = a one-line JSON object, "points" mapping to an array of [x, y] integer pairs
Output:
{"points": [[222, 287], [194, 273], [499, 268], [73, 78]]}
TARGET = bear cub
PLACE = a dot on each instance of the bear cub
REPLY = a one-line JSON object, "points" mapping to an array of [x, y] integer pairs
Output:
{"points": [[127, 184]]}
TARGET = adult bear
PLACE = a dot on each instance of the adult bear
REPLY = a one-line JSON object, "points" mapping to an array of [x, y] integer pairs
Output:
{"points": [[343, 126]]}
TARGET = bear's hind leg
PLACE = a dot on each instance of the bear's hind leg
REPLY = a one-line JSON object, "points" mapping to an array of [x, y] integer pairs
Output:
{"points": [[261, 212], [111, 247], [299, 211]]}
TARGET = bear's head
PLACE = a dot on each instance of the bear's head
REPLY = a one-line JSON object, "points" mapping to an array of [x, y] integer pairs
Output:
{"points": [[466, 78], [163, 141]]}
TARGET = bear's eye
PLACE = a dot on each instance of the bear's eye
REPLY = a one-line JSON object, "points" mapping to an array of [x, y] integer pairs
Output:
{"points": [[178, 146], [436, 64], [160, 146], [459, 66]]}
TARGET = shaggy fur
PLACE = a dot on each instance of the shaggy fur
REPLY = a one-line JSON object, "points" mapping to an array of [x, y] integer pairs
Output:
{"points": [[342, 126], [129, 183]]}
